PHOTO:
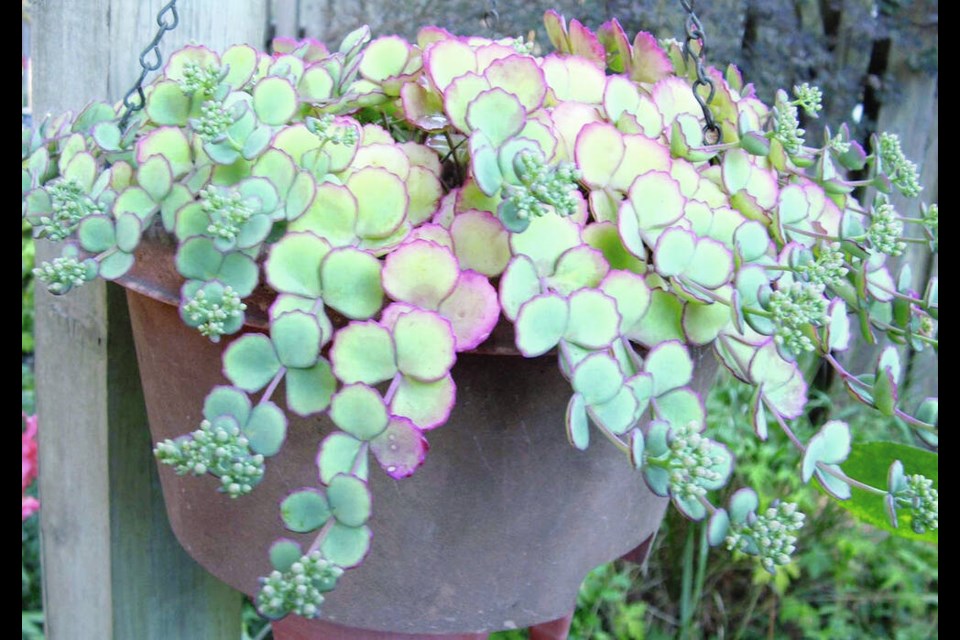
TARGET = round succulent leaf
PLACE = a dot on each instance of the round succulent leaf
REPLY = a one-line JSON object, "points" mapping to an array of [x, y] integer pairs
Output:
{"points": [[250, 362], [545, 240], [400, 449], [662, 322], [346, 546], [518, 284], [349, 499], [702, 323], [384, 58], [485, 170], [480, 242], [332, 215], [540, 323], [350, 281], [115, 265], [593, 320], [743, 502], [674, 251], [227, 401], [293, 265], [577, 268], [889, 360], [425, 345], [426, 404], [680, 407], [578, 427], [167, 104], [421, 273], [274, 100], [472, 310], [717, 527], [155, 177], [631, 294], [885, 393], [831, 445], [296, 338], [606, 237], [617, 415], [597, 378], [657, 201], [382, 202], [309, 391], [641, 386], [136, 202], [240, 272], [657, 479], [363, 352], [670, 365], [169, 142], [338, 454], [692, 508], [359, 411], [240, 62], [598, 152], [266, 428], [637, 447], [304, 511], [834, 486], [283, 553], [96, 233], [498, 114]]}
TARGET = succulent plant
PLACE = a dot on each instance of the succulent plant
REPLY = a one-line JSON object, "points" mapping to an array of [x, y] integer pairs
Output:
{"points": [[401, 198]]}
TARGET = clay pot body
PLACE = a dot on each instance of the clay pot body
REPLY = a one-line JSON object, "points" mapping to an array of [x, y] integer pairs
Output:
{"points": [[495, 531]]}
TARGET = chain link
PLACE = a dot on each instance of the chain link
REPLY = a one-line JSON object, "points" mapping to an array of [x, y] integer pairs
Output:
{"points": [[695, 36], [150, 60], [491, 17]]}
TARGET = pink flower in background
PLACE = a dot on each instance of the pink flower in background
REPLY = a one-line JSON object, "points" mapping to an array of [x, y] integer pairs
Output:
{"points": [[28, 444]]}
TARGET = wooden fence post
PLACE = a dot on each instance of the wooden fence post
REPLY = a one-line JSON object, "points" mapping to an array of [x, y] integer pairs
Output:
{"points": [[112, 567]]}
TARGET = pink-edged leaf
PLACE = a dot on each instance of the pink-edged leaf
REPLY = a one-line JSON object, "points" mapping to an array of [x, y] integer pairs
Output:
{"points": [[400, 449], [447, 59], [584, 43], [480, 242], [421, 273], [426, 404], [599, 152], [472, 309], [540, 324], [498, 114], [425, 345], [649, 63], [520, 76]]}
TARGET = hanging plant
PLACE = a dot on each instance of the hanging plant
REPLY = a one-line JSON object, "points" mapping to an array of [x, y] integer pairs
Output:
{"points": [[398, 200]]}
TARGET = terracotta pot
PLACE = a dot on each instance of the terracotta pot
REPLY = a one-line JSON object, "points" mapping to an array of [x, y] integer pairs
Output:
{"points": [[496, 531]]}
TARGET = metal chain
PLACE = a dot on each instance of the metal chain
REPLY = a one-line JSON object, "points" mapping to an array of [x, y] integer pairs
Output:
{"points": [[491, 17], [134, 100], [695, 35]]}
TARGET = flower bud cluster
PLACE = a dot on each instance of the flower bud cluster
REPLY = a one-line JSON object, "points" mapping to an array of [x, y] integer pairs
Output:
{"points": [[809, 98], [213, 121], [886, 230], [299, 589], [786, 127], [218, 448], [70, 204], [200, 79], [901, 171], [63, 274], [827, 269], [209, 314], [328, 132], [794, 308], [692, 459], [542, 184], [227, 212], [923, 501], [772, 535]]}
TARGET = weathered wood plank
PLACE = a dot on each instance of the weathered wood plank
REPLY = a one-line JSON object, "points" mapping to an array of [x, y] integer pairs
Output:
{"points": [[112, 568]]}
